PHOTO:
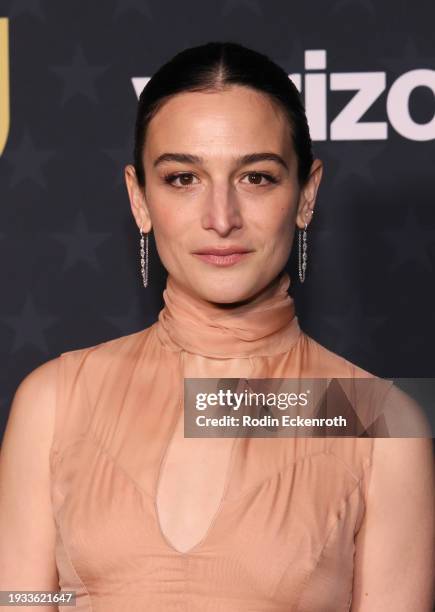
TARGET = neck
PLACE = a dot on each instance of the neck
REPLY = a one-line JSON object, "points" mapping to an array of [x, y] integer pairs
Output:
{"points": [[264, 324], [266, 292]]}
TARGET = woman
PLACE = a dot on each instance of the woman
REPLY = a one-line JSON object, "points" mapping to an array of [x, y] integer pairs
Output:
{"points": [[103, 494]]}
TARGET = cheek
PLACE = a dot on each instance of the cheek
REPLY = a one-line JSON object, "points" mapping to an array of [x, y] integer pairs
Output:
{"points": [[277, 231], [170, 229], [166, 216], [276, 221]]}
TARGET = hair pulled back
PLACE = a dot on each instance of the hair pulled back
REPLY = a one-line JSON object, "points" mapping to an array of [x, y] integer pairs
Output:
{"points": [[213, 67]]}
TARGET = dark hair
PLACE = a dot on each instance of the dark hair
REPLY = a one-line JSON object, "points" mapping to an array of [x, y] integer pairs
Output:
{"points": [[213, 66]]}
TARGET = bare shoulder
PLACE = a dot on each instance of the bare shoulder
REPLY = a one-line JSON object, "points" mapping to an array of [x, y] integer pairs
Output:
{"points": [[395, 551], [404, 416], [30, 425], [404, 462], [40, 379], [27, 529], [34, 401]]}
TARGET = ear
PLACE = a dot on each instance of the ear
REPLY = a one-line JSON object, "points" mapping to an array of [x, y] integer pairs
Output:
{"points": [[307, 198], [138, 203]]}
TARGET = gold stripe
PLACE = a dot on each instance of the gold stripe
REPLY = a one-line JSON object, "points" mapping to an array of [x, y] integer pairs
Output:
{"points": [[4, 82]]}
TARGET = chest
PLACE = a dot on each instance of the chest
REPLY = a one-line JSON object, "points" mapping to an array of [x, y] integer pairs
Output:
{"points": [[237, 522]]}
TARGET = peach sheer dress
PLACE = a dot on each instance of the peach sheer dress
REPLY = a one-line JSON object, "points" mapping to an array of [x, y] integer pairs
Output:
{"points": [[149, 520]]}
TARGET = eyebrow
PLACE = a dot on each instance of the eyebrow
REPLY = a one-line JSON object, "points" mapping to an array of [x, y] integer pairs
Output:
{"points": [[242, 160]]}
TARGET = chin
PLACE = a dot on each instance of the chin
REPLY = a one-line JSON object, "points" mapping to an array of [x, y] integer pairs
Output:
{"points": [[228, 291]]}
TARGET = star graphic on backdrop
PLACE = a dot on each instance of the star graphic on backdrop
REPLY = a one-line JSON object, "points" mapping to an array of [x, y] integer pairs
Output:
{"points": [[81, 243], [132, 319], [407, 58], [29, 326], [27, 161], [121, 157], [354, 159], [79, 76], [139, 6], [25, 7], [411, 250], [252, 5], [365, 4], [351, 320]]}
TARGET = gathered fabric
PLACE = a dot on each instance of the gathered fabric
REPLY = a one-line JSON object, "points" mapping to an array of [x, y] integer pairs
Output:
{"points": [[148, 519]]}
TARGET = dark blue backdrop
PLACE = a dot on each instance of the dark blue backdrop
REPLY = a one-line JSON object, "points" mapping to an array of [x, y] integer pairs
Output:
{"points": [[69, 248]]}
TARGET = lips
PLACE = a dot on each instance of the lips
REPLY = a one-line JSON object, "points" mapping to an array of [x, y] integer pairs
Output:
{"points": [[227, 256], [230, 250]]}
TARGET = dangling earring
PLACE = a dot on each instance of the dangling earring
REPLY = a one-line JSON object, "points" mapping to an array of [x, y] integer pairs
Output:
{"points": [[144, 257], [302, 251]]}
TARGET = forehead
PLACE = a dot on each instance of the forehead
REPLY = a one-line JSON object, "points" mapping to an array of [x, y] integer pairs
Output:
{"points": [[237, 119]]}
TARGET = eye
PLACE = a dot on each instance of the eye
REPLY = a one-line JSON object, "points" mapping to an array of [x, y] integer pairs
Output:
{"points": [[183, 176], [257, 176], [185, 179]]}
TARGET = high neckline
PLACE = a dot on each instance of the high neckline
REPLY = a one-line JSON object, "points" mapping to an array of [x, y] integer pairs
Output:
{"points": [[266, 325]]}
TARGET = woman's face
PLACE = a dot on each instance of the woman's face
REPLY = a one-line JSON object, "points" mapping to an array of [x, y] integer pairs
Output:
{"points": [[201, 194]]}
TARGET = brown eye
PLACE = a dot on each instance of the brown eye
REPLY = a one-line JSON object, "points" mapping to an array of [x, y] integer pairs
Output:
{"points": [[183, 177], [255, 178]]}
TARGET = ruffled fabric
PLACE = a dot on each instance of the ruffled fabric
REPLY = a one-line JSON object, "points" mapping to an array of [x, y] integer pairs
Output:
{"points": [[264, 326]]}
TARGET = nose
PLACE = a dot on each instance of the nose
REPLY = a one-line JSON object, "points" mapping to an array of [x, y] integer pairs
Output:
{"points": [[221, 211]]}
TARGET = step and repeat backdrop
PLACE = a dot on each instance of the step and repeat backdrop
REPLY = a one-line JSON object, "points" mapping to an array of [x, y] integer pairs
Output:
{"points": [[70, 77]]}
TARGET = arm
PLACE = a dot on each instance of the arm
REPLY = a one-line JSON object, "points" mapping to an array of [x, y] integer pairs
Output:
{"points": [[27, 528], [394, 557]]}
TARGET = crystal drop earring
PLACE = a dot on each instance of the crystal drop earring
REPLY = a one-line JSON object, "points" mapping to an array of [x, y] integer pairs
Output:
{"points": [[144, 257], [302, 250]]}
